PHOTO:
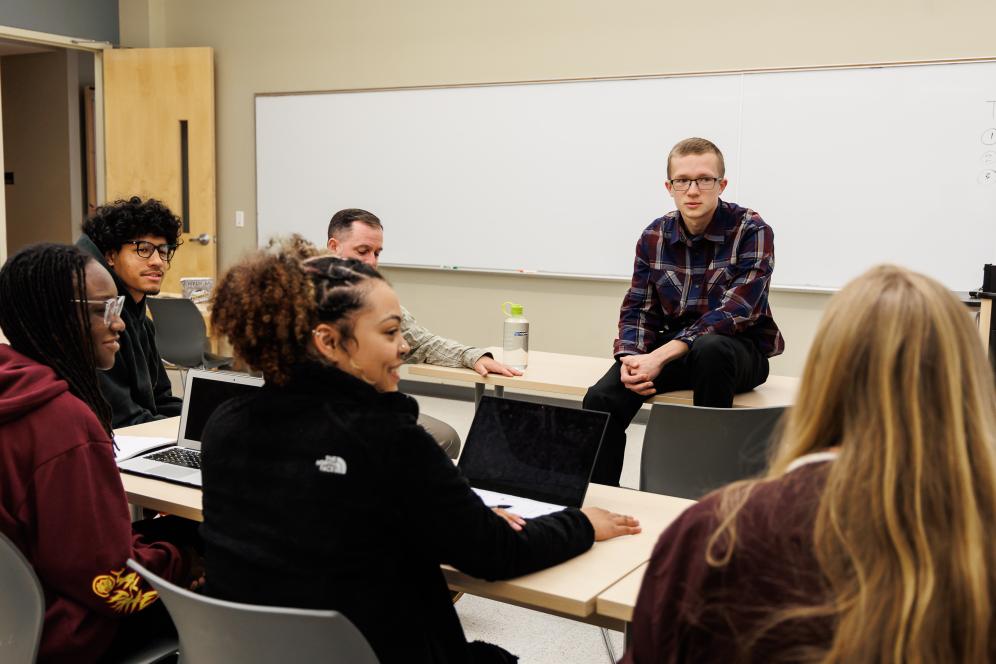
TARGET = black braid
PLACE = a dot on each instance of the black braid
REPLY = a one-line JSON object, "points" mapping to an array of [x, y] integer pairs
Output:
{"points": [[338, 288], [38, 316]]}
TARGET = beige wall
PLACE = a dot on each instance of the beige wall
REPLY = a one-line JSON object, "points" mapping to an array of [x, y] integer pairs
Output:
{"points": [[41, 127], [264, 46]]}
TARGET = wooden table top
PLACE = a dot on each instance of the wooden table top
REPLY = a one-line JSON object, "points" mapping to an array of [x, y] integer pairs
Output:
{"points": [[560, 373]]}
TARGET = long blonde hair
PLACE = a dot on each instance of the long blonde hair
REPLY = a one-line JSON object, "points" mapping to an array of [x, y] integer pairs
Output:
{"points": [[897, 379]]}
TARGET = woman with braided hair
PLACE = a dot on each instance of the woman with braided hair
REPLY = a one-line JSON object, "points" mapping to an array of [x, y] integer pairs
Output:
{"points": [[321, 491], [62, 503]]}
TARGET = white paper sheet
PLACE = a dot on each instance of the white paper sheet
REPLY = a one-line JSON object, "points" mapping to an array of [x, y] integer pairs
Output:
{"points": [[524, 507], [130, 446]]}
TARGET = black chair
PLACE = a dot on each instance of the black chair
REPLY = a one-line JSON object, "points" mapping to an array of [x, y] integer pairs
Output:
{"points": [[181, 334], [689, 451]]}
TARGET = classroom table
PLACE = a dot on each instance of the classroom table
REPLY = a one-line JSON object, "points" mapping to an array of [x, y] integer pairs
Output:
{"points": [[560, 373], [569, 589], [619, 599]]}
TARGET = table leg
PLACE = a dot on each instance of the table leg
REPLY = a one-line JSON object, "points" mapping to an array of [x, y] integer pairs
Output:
{"points": [[478, 393], [500, 391], [607, 640], [627, 635]]}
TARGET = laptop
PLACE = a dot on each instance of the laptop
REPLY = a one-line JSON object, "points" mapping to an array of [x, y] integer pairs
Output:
{"points": [[203, 392], [531, 459]]}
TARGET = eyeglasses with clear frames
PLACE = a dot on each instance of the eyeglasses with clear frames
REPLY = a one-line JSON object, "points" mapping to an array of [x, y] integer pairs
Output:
{"points": [[111, 308], [684, 184], [144, 249]]}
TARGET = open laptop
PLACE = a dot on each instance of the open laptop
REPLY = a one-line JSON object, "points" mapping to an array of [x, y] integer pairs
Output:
{"points": [[203, 392], [531, 459]]}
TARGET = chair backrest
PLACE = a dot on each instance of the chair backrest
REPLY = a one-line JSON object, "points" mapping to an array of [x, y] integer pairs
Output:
{"points": [[689, 451], [180, 330], [213, 630], [22, 606]]}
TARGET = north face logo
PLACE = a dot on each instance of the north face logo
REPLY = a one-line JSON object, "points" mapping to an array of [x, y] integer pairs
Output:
{"points": [[332, 464]]}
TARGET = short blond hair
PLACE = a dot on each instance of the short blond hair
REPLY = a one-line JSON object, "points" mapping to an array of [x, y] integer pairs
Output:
{"points": [[695, 146]]}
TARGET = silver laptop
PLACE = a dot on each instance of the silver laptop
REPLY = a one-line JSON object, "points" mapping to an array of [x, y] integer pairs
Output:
{"points": [[203, 392], [531, 459]]}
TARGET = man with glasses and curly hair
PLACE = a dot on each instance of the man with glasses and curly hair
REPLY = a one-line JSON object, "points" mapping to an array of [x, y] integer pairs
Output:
{"points": [[696, 315], [135, 241]]}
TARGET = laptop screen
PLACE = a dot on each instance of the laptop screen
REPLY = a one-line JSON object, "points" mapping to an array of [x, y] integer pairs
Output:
{"points": [[204, 393], [533, 450]]}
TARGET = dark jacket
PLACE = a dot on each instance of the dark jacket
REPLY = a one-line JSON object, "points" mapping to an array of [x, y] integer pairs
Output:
{"points": [[63, 505], [689, 611], [327, 494], [137, 388]]}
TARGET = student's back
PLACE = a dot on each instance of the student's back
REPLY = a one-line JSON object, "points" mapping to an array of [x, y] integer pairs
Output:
{"points": [[321, 491], [326, 493], [869, 538]]}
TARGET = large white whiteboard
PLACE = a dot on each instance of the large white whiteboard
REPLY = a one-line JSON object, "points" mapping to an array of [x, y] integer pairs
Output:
{"points": [[850, 167]]}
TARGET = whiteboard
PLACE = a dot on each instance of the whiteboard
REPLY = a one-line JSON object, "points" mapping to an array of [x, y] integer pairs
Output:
{"points": [[850, 167]]}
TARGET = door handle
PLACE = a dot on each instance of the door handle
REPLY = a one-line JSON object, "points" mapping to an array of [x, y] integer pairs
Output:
{"points": [[203, 238]]}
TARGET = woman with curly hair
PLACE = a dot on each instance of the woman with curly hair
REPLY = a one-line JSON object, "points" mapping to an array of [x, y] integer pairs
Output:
{"points": [[868, 539], [321, 491]]}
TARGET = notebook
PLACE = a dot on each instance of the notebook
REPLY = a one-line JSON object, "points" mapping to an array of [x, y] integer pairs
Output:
{"points": [[529, 458], [203, 392]]}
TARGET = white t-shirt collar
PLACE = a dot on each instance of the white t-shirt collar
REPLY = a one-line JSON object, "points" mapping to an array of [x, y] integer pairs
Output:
{"points": [[815, 457]]}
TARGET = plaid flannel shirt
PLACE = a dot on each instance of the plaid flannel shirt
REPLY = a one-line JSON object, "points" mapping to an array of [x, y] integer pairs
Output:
{"points": [[715, 283]]}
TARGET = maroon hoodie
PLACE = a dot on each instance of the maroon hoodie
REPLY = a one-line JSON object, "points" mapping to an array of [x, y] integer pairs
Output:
{"points": [[63, 505]]}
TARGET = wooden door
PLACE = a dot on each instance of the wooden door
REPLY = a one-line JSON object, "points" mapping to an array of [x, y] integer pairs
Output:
{"points": [[159, 143]]}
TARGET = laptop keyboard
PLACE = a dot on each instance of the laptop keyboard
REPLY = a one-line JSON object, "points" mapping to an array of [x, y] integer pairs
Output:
{"points": [[178, 456]]}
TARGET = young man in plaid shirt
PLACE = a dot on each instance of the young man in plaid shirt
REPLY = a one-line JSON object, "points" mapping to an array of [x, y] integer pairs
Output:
{"points": [[696, 315]]}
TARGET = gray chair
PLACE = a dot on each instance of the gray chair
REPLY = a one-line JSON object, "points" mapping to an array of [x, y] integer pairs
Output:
{"points": [[213, 630], [689, 451], [181, 334], [22, 615], [22, 606]]}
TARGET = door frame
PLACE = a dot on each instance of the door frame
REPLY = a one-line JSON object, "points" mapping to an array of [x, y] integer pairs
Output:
{"points": [[62, 41]]}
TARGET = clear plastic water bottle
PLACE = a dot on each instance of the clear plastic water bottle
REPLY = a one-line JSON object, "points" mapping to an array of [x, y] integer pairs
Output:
{"points": [[515, 340]]}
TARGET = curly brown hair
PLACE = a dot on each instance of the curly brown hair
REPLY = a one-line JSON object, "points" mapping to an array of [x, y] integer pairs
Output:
{"points": [[268, 304]]}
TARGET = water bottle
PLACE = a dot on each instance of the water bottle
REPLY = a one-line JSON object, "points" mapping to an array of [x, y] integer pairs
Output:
{"points": [[515, 340]]}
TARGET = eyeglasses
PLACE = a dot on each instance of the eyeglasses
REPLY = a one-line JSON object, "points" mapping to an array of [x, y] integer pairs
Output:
{"points": [[144, 249], [110, 309], [684, 184]]}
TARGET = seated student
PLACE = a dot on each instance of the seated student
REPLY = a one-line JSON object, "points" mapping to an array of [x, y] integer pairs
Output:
{"points": [[135, 240], [323, 492], [870, 537], [696, 315], [62, 502], [358, 234]]}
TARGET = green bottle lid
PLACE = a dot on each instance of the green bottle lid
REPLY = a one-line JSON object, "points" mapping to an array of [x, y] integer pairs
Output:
{"points": [[511, 309]]}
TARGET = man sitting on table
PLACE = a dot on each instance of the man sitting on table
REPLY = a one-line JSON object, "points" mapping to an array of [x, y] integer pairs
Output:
{"points": [[135, 241], [696, 315], [355, 233]]}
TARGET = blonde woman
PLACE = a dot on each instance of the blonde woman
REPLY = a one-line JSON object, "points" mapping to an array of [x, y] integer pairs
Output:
{"points": [[871, 537]]}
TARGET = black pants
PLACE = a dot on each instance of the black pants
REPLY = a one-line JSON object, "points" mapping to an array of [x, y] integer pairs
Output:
{"points": [[716, 367]]}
